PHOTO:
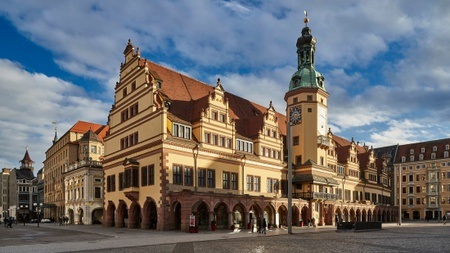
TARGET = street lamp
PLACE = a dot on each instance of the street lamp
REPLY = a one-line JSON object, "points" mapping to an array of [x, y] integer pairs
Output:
{"points": [[38, 211], [243, 160], [22, 210], [195, 153]]}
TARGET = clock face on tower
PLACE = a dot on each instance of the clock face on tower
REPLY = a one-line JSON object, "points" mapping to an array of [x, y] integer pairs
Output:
{"points": [[295, 115]]}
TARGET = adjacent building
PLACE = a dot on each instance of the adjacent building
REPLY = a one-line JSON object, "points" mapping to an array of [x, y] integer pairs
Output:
{"points": [[71, 174], [181, 154], [422, 176], [4, 192]]}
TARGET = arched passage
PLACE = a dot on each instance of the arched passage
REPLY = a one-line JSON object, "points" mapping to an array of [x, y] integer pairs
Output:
{"points": [[221, 216], [122, 215], [135, 216], [239, 216], [358, 215], [282, 214], [295, 216], [72, 216], [269, 215], [364, 215], [338, 214], [97, 216], [149, 215], [345, 217], [305, 215], [177, 215], [201, 213]]}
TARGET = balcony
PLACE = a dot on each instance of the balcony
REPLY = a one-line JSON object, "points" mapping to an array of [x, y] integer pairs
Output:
{"points": [[323, 141], [83, 163], [315, 195]]}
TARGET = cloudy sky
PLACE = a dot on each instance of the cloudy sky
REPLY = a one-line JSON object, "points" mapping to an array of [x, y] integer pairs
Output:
{"points": [[386, 63]]}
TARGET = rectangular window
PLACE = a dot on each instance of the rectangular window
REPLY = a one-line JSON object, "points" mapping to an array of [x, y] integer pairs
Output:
{"points": [[181, 131], [202, 178], [257, 182], [226, 180], [97, 192], [269, 185], [211, 178], [249, 183], [144, 176], [222, 117], [121, 186], [188, 171], [177, 174], [151, 175], [234, 181], [295, 141], [207, 137], [127, 178]]}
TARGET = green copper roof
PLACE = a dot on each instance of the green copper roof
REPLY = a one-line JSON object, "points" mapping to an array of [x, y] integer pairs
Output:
{"points": [[306, 75]]}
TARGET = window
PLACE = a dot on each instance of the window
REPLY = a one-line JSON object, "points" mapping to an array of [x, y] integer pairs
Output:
{"points": [[434, 148], [245, 146], [97, 192], [134, 110], [148, 175], [202, 178], [214, 115], [121, 186], [144, 176], [421, 157], [309, 109], [411, 178], [234, 181], [447, 146], [433, 155], [257, 182], [188, 171], [249, 183], [177, 174], [94, 149], [124, 92], [226, 180], [124, 115], [411, 151], [295, 141], [211, 178], [309, 98], [133, 86], [422, 150], [411, 158], [207, 137], [182, 131], [445, 154], [295, 100], [411, 190], [111, 183], [403, 159], [222, 117]]}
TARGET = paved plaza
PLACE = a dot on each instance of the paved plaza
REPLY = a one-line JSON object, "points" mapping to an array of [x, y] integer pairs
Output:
{"points": [[409, 237]]}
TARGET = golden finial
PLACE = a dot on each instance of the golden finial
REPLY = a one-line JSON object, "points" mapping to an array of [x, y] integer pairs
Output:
{"points": [[306, 19]]}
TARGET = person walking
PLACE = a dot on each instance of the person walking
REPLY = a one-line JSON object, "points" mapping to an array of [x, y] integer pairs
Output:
{"points": [[264, 225], [444, 219]]}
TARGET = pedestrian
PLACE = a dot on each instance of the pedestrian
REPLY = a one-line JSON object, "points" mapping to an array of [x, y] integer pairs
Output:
{"points": [[313, 220], [60, 220], [10, 222], [5, 220], [259, 226], [309, 222], [264, 224], [444, 219]]}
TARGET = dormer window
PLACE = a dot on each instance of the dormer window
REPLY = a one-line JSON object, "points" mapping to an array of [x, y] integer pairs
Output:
{"points": [[422, 150], [433, 155], [182, 131], [447, 147], [411, 158], [434, 148], [446, 154], [411, 151], [421, 157]]}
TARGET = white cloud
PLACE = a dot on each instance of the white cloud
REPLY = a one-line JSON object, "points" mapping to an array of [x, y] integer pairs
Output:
{"points": [[30, 102]]}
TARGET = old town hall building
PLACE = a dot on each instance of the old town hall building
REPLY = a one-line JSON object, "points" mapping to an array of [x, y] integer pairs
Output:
{"points": [[181, 154]]}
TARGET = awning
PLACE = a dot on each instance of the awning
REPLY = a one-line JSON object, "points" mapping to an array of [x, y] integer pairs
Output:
{"points": [[314, 179]]}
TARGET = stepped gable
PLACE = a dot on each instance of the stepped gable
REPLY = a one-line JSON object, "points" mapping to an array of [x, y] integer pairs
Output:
{"points": [[343, 148], [189, 97]]}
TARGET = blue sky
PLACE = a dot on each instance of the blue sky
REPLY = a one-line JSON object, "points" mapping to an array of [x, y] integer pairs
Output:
{"points": [[386, 63]]}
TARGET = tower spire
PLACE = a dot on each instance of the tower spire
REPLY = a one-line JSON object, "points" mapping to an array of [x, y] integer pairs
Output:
{"points": [[55, 139]]}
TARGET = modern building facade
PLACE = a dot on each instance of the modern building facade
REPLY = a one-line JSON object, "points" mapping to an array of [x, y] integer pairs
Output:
{"points": [[76, 158], [181, 154]]}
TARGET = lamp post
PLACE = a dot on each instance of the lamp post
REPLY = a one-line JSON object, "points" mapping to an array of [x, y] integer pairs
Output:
{"points": [[243, 161], [38, 207], [22, 210], [195, 153]]}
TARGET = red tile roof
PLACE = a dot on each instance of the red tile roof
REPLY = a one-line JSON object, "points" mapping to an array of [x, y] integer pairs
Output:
{"points": [[83, 127], [189, 97]]}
